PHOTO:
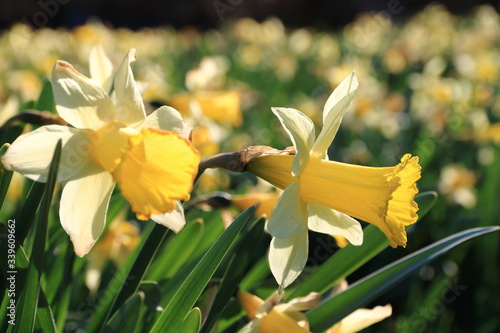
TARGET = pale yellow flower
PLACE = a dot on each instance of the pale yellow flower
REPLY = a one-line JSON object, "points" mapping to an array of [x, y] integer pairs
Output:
{"points": [[322, 195], [110, 141], [270, 317]]}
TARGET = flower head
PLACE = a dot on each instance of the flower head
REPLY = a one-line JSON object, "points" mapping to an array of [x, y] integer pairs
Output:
{"points": [[110, 141], [270, 317], [322, 195]]}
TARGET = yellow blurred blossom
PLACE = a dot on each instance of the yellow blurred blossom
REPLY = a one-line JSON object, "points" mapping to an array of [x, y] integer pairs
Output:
{"points": [[457, 183], [270, 317]]}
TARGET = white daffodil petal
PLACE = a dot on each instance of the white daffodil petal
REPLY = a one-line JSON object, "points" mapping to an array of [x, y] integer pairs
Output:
{"points": [[174, 220], [328, 221], [251, 327], [361, 319], [31, 153], [80, 101], [301, 131], [84, 202], [101, 68], [289, 217], [168, 119], [288, 257], [129, 104], [335, 108]]}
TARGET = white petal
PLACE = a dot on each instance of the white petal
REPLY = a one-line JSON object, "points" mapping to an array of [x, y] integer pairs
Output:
{"points": [[31, 153], [174, 220], [101, 68], [301, 131], [328, 221], [362, 318], [84, 203], [335, 108], [289, 216], [251, 327], [129, 104], [79, 100], [288, 257], [168, 119]]}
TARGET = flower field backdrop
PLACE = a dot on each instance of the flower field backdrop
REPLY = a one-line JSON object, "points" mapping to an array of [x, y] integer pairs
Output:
{"points": [[428, 88]]}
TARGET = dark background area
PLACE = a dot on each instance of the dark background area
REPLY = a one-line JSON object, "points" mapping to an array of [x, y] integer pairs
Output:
{"points": [[206, 14]]}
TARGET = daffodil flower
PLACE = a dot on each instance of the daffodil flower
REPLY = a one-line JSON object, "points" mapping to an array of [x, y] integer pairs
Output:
{"points": [[270, 317], [110, 141], [322, 195]]}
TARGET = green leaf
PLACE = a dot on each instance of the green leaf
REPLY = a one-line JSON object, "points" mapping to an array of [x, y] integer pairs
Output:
{"points": [[46, 99], [186, 296], [29, 298], [234, 273], [125, 319], [192, 322], [28, 212], [336, 307], [256, 274], [176, 252], [347, 260], [44, 316], [5, 177], [126, 281]]}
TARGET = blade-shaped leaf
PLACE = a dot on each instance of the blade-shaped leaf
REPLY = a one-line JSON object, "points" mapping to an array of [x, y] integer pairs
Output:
{"points": [[176, 252], [192, 322], [336, 307], [5, 177], [234, 272], [126, 281], [29, 297], [126, 318], [186, 296], [19, 275], [350, 258]]}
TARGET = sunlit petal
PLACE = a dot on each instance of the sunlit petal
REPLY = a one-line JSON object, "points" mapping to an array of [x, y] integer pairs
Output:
{"points": [[279, 322], [168, 119], [361, 319], [301, 131], [329, 221], [129, 103], [335, 108], [80, 101], [173, 220], [30, 154], [288, 257], [290, 214], [101, 68], [250, 303], [84, 202]]}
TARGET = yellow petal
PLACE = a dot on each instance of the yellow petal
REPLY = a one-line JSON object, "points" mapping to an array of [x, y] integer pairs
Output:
{"points": [[157, 169], [250, 303], [109, 143], [222, 106], [279, 322], [381, 196]]}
